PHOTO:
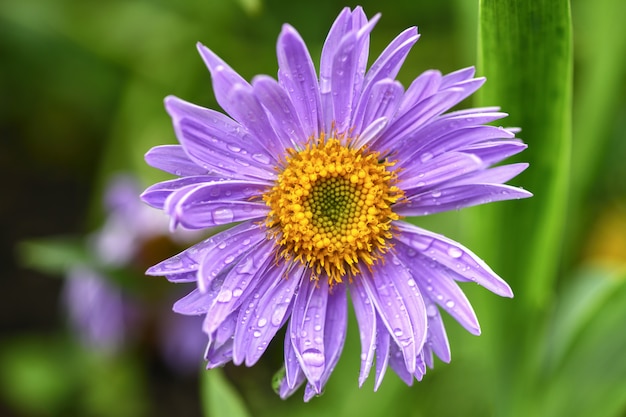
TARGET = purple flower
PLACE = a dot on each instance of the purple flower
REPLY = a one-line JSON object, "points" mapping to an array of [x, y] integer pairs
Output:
{"points": [[105, 316], [318, 171]]}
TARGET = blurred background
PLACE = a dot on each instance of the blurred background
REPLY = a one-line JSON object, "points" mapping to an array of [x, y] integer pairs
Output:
{"points": [[81, 100]]}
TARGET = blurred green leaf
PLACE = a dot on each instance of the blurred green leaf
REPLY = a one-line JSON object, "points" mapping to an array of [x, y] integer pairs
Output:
{"points": [[35, 376], [219, 398], [526, 55], [591, 381], [583, 298], [52, 376], [600, 67], [53, 255], [525, 52]]}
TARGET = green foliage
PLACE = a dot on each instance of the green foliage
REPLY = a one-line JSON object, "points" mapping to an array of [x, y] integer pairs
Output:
{"points": [[219, 398], [54, 255], [46, 376]]}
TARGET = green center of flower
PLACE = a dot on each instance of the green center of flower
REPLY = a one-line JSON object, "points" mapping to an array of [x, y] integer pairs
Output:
{"points": [[331, 208]]}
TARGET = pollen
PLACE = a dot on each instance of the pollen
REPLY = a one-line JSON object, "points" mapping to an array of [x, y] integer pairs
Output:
{"points": [[331, 208]]}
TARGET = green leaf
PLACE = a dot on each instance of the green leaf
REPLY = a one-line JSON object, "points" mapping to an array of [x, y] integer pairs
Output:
{"points": [[53, 255], [526, 55], [591, 381], [601, 67], [525, 52], [34, 375], [219, 397], [581, 300]]}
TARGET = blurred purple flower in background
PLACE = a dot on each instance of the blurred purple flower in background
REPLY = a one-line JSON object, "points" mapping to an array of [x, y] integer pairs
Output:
{"points": [[318, 173], [104, 314]]}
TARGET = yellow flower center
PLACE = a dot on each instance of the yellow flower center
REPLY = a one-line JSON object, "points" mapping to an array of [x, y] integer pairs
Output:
{"points": [[331, 208]]}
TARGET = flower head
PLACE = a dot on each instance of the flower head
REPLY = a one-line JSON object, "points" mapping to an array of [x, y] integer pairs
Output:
{"points": [[319, 172]]}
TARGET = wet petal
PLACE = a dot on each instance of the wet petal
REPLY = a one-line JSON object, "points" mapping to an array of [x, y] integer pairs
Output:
{"points": [[383, 344], [453, 256], [225, 249], [269, 315], [335, 328], [294, 376], [253, 303], [458, 197], [156, 194], [456, 139], [366, 317], [496, 151], [437, 338], [284, 116], [224, 77], [173, 159], [383, 101], [388, 64], [297, 76], [394, 312], [239, 283], [218, 143], [216, 203], [306, 328], [346, 81], [434, 172], [437, 284], [248, 111]]}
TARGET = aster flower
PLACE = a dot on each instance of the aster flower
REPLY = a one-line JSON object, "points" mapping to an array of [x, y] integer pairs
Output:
{"points": [[318, 173], [103, 314]]}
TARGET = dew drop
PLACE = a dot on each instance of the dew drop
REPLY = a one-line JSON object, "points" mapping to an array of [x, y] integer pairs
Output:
{"points": [[229, 259], [436, 194], [257, 333], [225, 296], [223, 216], [237, 292], [411, 282], [233, 148], [279, 313], [317, 327], [261, 157], [313, 358], [262, 322], [431, 310], [455, 252], [398, 332], [450, 304], [426, 156], [421, 243]]}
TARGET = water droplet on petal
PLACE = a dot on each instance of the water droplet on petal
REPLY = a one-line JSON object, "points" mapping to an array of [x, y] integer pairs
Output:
{"points": [[455, 252], [262, 322], [256, 333], [431, 310], [313, 358], [450, 304], [436, 194], [225, 296], [223, 216], [233, 148], [237, 292], [426, 156], [398, 332], [262, 158]]}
